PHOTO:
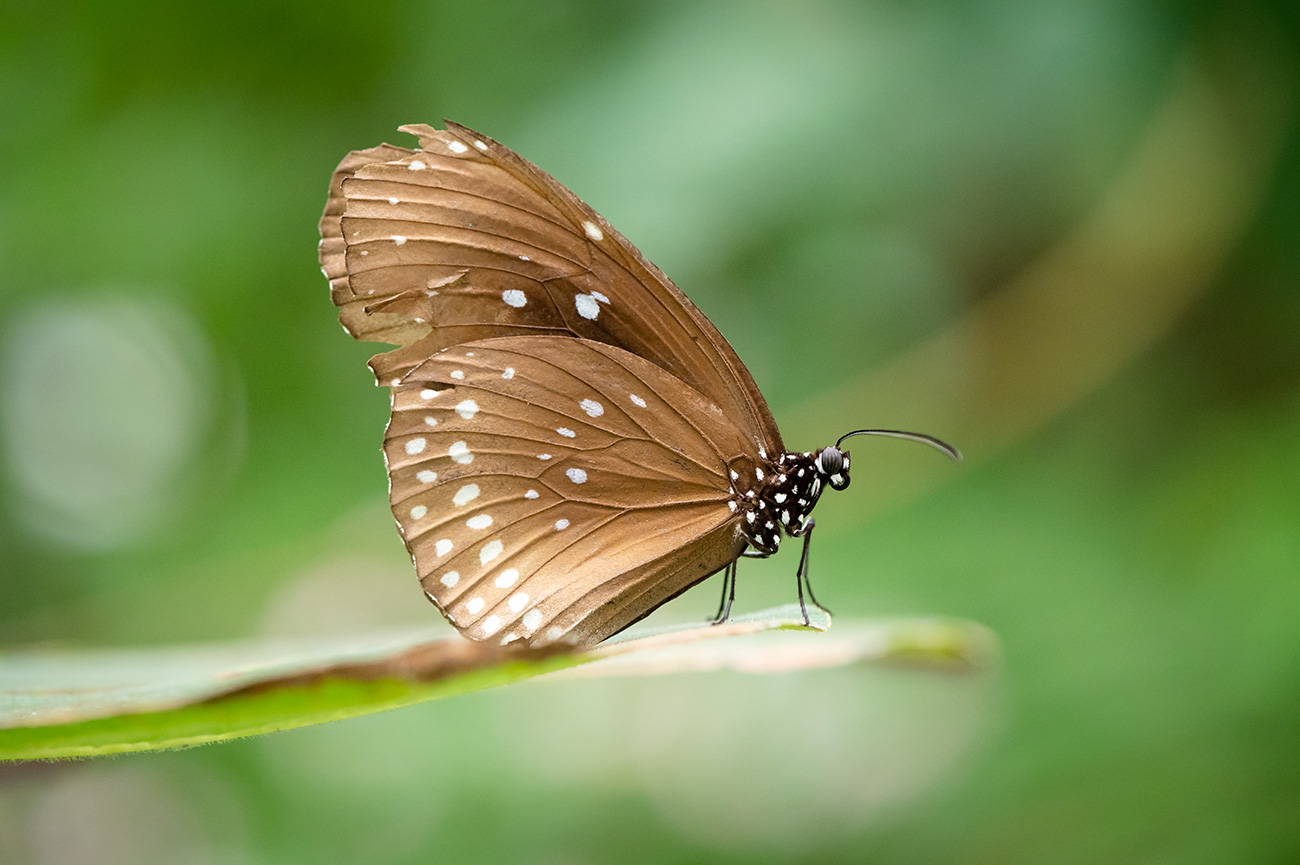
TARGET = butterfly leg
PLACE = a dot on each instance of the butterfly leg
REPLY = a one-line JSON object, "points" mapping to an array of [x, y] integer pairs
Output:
{"points": [[728, 596], [801, 578]]}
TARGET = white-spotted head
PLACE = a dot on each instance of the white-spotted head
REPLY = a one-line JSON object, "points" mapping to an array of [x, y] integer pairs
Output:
{"points": [[833, 464]]}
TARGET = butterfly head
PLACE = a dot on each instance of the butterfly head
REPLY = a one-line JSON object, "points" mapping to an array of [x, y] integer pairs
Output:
{"points": [[833, 465]]}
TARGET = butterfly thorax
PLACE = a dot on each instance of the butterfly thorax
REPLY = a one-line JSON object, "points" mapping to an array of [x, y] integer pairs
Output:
{"points": [[779, 495]]}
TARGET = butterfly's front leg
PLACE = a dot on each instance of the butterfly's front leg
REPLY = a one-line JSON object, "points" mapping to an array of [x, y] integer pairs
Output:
{"points": [[801, 576]]}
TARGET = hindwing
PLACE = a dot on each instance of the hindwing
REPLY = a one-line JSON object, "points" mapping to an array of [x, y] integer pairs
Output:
{"points": [[552, 488]]}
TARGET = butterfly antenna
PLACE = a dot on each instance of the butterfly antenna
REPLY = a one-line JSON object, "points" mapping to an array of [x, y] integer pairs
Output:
{"points": [[952, 452]]}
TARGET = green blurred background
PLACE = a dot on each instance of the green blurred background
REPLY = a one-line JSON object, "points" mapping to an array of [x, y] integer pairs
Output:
{"points": [[1063, 235]]}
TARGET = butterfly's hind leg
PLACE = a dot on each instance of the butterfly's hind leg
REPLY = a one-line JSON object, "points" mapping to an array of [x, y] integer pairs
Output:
{"points": [[801, 577], [728, 594]]}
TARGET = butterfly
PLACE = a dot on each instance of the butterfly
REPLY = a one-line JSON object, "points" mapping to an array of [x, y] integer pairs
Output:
{"points": [[572, 442]]}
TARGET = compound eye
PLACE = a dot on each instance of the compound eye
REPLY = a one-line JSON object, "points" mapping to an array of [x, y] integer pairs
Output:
{"points": [[830, 461]]}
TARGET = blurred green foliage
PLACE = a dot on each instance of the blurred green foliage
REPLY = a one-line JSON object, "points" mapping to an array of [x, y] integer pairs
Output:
{"points": [[836, 184]]}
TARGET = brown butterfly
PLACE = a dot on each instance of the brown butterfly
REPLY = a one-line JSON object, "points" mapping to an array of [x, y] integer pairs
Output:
{"points": [[572, 443]]}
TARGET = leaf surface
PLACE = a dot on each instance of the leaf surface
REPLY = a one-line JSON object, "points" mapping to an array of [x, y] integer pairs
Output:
{"points": [[79, 703]]}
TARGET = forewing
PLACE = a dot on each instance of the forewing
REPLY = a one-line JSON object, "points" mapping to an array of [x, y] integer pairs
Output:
{"points": [[551, 488], [378, 326], [465, 240]]}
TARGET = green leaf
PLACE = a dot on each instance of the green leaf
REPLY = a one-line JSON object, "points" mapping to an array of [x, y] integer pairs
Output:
{"points": [[83, 703]]}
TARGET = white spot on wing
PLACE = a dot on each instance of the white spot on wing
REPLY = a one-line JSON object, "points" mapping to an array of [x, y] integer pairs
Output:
{"points": [[587, 306], [465, 494], [491, 625], [480, 145], [467, 409], [426, 476], [430, 420], [457, 374], [509, 373], [416, 165], [490, 551], [553, 633], [566, 432], [456, 147], [442, 547], [507, 578], [415, 446], [531, 494], [514, 297], [758, 473], [479, 522], [392, 199], [450, 579], [532, 619], [418, 512], [593, 230], [636, 399], [780, 497], [592, 408], [732, 505], [459, 451], [399, 239], [429, 393], [578, 476], [561, 525], [517, 601], [543, 457], [474, 605]]}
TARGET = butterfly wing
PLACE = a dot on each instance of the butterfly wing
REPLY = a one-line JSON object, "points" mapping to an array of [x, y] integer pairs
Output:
{"points": [[552, 488], [464, 240], [333, 251]]}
